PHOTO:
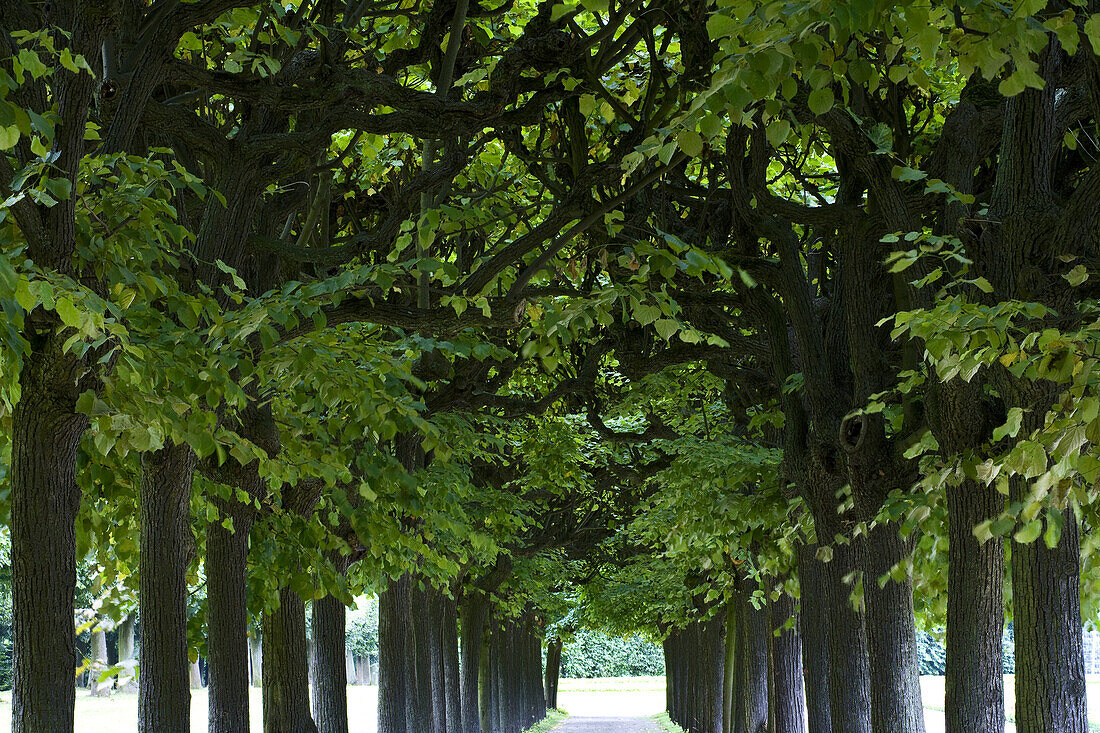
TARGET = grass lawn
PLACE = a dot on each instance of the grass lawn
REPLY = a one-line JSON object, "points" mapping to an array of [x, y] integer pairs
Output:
{"points": [[932, 692], [118, 714]]}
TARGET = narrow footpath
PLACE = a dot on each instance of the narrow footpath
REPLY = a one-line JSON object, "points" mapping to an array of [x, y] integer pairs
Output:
{"points": [[607, 725]]}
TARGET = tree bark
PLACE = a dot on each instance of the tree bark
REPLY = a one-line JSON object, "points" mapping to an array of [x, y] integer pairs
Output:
{"points": [[752, 676], [286, 667], [229, 652], [1050, 668], [125, 679], [849, 688], [99, 663], [418, 702], [974, 687], [894, 662], [729, 678], [787, 702], [256, 660], [330, 691], [432, 616], [45, 499], [392, 656], [164, 689], [553, 672], [815, 640], [451, 677], [485, 686]]}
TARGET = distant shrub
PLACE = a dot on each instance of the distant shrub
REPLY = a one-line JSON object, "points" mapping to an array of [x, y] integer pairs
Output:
{"points": [[592, 654]]}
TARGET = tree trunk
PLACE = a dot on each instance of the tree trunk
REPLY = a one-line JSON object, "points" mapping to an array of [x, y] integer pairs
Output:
{"points": [[124, 680], [392, 656], [815, 640], [485, 686], [418, 707], [44, 502], [1050, 667], [194, 674], [729, 678], [432, 615], [553, 672], [787, 701], [894, 662], [752, 675], [330, 691], [256, 660], [164, 690], [849, 689], [230, 650], [974, 699], [451, 676], [286, 667], [99, 664]]}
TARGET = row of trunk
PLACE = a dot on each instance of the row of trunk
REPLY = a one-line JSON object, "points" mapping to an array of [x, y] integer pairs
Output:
{"points": [[430, 680], [740, 671]]}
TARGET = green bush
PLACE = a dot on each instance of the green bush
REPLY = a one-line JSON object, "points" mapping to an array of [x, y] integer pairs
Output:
{"points": [[592, 654], [933, 655], [361, 634]]}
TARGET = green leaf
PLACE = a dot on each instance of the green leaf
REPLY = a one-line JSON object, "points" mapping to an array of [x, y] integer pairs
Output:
{"points": [[68, 313], [721, 26], [1011, 426], [1029, 532], [821, 100], [9, 136], [560, 10], [1092, 30], [61, 188], [1077, 275], [690, 142], [666, 327]]}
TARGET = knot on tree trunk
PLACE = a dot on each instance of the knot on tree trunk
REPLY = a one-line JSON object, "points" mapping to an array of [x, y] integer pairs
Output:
{"points": [[853, 432]]}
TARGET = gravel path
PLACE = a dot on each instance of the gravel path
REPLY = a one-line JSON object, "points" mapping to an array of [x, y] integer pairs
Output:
{"points": [[607, 725]]}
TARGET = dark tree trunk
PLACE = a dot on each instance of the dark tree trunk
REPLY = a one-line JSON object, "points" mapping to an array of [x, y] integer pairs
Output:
{"points": [[671, 675], [164, 685], [485, 686], [553, 672], [815, 640], [392, 656], [286, 667], [729, 678], [451, 677], [475, 612], [752, 675], [229, 650], [974, 701], [330, 691], [1050, 667], [894, 660], [497, 674], [787, 702], [45, 498], [849, 688], [432, 616], [418, 708]]}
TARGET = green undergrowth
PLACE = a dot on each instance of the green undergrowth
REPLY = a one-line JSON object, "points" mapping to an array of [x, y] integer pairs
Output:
{"points": [[548, 723], [667, 725]]}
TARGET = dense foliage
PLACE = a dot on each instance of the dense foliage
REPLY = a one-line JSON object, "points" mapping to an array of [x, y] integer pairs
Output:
{"points": [[593, 654]]}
